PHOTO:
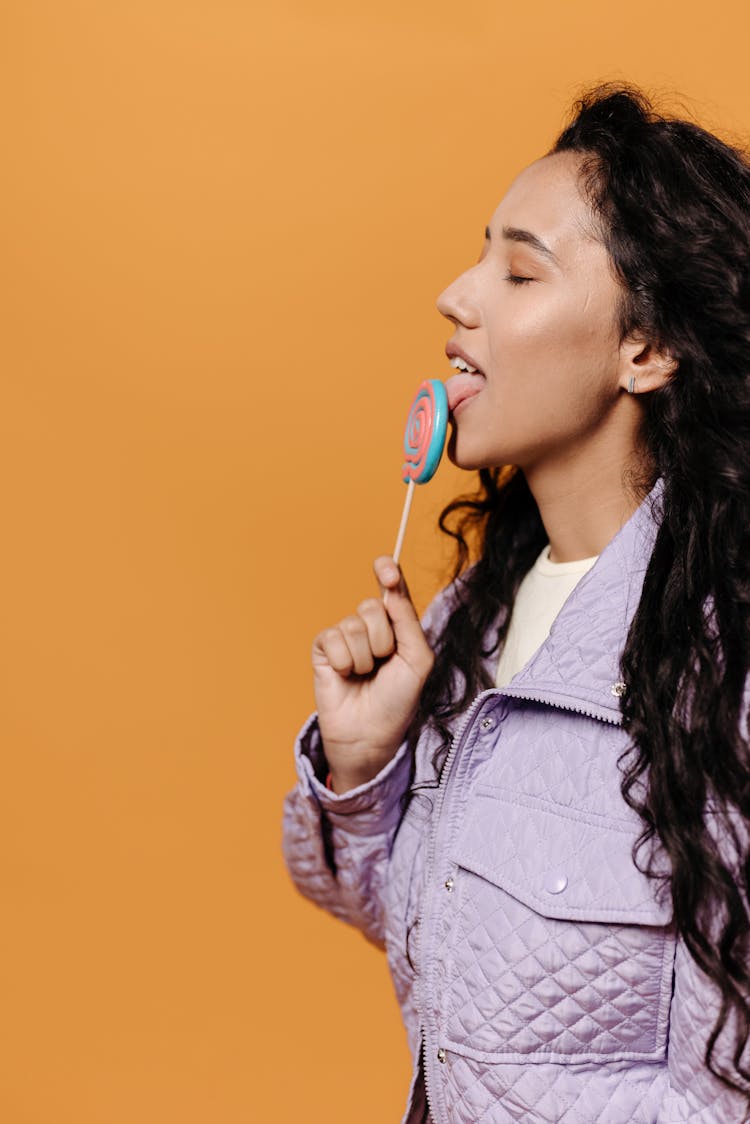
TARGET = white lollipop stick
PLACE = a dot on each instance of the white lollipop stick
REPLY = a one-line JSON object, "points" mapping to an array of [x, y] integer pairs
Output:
{"points": [[404, 520], [402, 530]]}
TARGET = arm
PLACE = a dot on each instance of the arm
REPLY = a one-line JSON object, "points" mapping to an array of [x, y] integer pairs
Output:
{"points": [[693, 1094], [368, 674], [337, 847]]}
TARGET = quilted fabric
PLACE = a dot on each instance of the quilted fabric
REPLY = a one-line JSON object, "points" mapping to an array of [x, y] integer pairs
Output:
{"points": [[536, 968]]}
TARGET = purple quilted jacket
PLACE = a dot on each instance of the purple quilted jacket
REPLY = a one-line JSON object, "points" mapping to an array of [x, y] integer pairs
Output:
{"points": [[538, 975]]}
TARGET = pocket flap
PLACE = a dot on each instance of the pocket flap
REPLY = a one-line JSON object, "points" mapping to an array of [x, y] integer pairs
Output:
{"points": [[557, 861]]}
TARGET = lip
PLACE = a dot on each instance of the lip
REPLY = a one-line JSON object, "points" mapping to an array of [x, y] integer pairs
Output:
{"points": [[453, 351]]}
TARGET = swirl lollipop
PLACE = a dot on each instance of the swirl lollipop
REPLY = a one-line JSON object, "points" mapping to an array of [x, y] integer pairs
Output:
{"points": [[424, 440]]}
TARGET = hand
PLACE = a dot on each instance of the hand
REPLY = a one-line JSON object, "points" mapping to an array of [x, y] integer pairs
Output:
{"points": [[369, 671]]}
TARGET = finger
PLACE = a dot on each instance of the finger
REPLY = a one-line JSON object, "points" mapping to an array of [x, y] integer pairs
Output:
{"points": [[394, 584], [411, 642], [387, 572], [379, 629], [330, 649], [355, 634]]}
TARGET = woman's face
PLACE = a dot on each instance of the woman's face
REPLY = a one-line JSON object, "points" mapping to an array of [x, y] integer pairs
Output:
{"points": [[537, 315]]}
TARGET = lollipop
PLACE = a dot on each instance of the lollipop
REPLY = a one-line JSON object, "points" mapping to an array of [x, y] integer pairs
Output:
{"points": [[424, 440]]}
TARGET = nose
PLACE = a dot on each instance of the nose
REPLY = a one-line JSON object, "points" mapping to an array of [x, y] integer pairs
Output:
{"points": [[458, 302]]}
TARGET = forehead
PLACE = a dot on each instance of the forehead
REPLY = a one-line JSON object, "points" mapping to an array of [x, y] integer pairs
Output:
{"points": [[546, 199]]}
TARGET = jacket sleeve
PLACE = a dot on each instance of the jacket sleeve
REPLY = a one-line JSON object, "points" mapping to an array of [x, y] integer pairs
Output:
{"points": [[693, 1093], [337, 847]]}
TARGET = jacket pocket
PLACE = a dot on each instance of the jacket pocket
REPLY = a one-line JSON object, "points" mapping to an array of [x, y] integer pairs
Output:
{"points": [[560, 950]]}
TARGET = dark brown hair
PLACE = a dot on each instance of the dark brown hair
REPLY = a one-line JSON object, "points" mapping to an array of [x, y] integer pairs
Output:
{"points": [[673, 204]]}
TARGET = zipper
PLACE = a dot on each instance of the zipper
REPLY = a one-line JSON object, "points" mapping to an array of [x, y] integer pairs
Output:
{"points": [[430, 861], [424, 1078], [603, 714]]}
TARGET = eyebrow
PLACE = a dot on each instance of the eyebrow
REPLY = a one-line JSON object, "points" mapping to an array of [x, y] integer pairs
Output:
{"points": [[517, 234]]}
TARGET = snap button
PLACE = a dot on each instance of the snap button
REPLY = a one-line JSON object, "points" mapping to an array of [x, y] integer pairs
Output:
{"points": [[555, 881], [487, 723], [449, 884], [441, 1054], [618, 689]]}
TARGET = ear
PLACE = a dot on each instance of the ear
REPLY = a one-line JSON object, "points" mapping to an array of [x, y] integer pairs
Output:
{"points": [[646, 364]]}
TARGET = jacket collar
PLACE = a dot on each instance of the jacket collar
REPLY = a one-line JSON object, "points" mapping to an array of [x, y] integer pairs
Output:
{"points": [[577, 666]]}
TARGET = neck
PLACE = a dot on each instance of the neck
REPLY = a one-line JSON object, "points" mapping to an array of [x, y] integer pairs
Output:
{"points": [[584, 502]]}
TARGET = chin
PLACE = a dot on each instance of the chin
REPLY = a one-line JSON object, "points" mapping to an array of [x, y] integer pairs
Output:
{"points": [[455, 457], [469, 459]]}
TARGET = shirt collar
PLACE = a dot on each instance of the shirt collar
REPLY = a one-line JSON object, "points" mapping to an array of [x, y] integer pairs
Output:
{"points": [[577, 666]]}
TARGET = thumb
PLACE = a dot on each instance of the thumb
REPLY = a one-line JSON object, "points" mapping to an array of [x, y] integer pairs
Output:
{"points": [[411, 642]]}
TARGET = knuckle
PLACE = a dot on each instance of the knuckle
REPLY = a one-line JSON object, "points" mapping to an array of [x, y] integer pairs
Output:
{"points": [[369, 607], [385, 639], [352, 626], [322, 640], [385, 645]]}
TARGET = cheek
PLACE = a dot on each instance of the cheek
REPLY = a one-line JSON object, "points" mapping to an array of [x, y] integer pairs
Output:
{"points": [[552, 339]]}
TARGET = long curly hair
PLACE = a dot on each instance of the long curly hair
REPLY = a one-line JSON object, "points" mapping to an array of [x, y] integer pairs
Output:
{"points": [[673, 204]]}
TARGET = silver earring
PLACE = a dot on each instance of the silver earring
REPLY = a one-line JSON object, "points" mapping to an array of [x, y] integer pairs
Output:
{"points": [[631, 384]]}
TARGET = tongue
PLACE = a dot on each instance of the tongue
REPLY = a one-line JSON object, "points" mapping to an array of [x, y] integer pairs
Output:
{"points": [[463, 386]]}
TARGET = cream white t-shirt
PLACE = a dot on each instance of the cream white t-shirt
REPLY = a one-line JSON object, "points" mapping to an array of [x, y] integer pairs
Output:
{"points": [[540, 597]]}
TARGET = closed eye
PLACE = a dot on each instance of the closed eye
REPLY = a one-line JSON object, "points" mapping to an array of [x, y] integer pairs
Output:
{"points": [[516, 280]]}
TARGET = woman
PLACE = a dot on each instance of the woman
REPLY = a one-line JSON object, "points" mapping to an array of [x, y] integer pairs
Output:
{"points": [[538, 799]]}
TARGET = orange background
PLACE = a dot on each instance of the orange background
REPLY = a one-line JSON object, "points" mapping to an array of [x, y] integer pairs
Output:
{"points": [[224, 226]]}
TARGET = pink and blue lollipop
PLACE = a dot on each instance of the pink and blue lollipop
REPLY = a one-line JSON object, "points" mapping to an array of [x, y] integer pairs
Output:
{"points": [[426, 427], [424, 441]]}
